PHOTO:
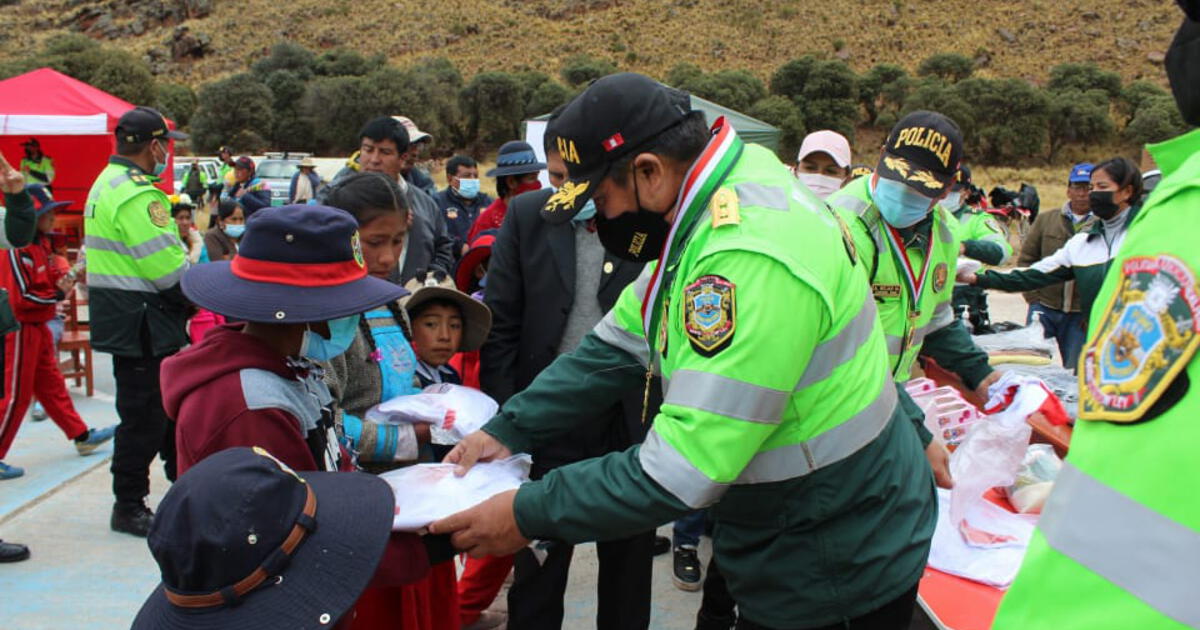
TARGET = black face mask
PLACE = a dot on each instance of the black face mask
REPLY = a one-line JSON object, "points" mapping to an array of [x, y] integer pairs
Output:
{"points": [[638, 236], [1183, 69], [1102, 204]]}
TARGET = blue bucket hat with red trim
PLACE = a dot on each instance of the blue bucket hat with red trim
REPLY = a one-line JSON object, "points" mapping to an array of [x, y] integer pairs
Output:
{"points": [[295, 264]]}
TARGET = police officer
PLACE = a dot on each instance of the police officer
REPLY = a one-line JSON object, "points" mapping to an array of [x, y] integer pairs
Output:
{"points": [[138, 311], [982, 240], [780, 411], [1118, 543]]}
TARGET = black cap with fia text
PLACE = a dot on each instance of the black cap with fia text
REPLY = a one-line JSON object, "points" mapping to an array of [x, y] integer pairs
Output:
{"points": [[612, 118], [924, 151], [141, 124]]}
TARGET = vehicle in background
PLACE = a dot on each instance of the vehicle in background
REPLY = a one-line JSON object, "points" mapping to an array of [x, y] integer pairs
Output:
{"points": [[210, 167], [276, 169]]}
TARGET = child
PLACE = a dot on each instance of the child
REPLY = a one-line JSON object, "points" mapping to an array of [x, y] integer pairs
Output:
{"points": [[35, 286], [445, 321], [471, 277], [189, 236]]}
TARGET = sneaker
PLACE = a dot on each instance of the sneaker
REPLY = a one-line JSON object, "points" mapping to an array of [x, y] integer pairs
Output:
{"points": [[686, 575], [93, 439], [131, 518], [38, 413], [10, 472], [662, 545], [710, 621], [12, 552]]}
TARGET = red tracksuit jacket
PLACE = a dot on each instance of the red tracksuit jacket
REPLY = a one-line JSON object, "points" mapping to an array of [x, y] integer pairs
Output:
{"points": [[30, 278]]}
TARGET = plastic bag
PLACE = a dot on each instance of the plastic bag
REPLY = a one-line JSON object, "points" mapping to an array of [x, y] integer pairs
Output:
{"points": [[1035, 479], [991, 456], [1059, 380], [428, 492], [454, 410], [998, 565], [1028, 341]]}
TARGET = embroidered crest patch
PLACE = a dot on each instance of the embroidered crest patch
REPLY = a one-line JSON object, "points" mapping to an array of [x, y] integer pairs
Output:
{"points": [[356, 247], [940, 273], [709, 314], [1148, 335], [158, 214]]}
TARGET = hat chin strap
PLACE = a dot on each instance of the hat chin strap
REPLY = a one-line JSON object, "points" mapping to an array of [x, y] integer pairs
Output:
{"points": [[273, 565]]}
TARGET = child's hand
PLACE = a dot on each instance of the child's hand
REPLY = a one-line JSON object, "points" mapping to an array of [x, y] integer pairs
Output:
{"points": [[11, 180]]}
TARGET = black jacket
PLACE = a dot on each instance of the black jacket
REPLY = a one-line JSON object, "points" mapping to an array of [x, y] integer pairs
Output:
{"points": [[429, 246], [530, 290]]}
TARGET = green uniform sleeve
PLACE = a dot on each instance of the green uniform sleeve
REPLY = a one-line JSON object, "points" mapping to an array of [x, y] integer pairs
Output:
{"points": [[1023, 279], [20, 223], [720, 406], [155, 247], [986, 252], [953, 349], [984, 241]]}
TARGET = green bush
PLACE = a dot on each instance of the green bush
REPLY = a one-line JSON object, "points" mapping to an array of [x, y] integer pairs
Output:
{"points": [[343, 62], [1078, 118], [937, 96], [494, 106], [735, 89], [830, 98], [239, 107], [177, 102], [290, 130], [581, 69], [949, 67], [286, 55], [883, 89], [1011, 118], [1134, 95], [124, 76], [682, 74], [790, 78], [783, 113], [1082, 77], [546, 98], [338, 107], [1156, 120]]}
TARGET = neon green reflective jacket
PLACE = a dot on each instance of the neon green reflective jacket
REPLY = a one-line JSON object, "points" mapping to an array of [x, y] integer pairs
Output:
{"points": [[134, 265], [1118, 543], [930, 328], [38, 171], [779, 412], [982, 237]]}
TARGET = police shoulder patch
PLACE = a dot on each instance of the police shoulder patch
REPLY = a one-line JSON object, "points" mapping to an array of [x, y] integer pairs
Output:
{"points": [[158, 214], [1149, 334], [940, 274], [138, 178], [709, 314]]}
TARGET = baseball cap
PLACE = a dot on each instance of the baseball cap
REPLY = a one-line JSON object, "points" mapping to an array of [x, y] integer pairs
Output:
{"points": [[825, 141], [145, 123], [414, 135], [963, 179], [924, 150], [1081, 173], [613, 118]]}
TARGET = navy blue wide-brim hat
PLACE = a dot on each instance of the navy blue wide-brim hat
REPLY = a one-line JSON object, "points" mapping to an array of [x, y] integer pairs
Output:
{"points": [[516, 158], [243, 542], [295, 264]]}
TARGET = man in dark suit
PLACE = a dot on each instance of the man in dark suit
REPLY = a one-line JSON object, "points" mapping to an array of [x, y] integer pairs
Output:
{"points": [[547, 286]]}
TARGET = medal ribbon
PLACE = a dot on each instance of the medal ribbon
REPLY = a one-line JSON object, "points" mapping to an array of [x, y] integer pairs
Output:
{"points": [[913, 283], [699, 184]]}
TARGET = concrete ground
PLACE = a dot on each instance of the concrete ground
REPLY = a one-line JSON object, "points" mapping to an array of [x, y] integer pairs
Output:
{"points": [[83, 576]]}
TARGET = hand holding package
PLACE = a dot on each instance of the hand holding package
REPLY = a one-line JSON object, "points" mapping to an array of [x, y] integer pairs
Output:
{"points": [[429, 492]]}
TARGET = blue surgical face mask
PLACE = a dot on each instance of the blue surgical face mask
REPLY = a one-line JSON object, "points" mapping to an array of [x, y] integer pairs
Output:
{"points": [[234, 230], [468, 188], [953, 200], [586, 212], [160, 167], [900, 205], [341, 335]]}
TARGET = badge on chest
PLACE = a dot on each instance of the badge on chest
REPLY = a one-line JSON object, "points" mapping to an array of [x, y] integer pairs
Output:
{"points": [[709, 314]]}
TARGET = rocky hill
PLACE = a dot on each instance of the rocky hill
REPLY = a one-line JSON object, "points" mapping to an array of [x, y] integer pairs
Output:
{"points": [[192, 41]]}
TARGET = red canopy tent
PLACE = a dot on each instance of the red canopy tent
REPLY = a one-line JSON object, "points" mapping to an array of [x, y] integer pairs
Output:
{"points": [[73, 122]]}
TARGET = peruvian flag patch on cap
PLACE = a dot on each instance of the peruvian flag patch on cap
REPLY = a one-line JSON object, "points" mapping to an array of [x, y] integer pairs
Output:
{"points": [[613, 142]]}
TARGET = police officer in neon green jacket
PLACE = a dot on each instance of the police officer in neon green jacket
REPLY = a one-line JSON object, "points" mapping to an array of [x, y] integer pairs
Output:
{"points": [[1118, 542], [779, 409], [983, 240], [138, 311]]}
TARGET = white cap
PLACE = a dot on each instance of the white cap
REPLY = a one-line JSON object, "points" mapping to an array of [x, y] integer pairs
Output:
{"points": [[826, 141], [414, 135]]}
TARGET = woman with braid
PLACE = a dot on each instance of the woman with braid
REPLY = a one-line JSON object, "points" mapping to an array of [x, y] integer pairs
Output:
{"points": [[381, 365]]}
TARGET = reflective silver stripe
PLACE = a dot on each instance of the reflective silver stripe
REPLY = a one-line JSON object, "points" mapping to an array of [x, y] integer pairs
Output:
{"points": [[141, 250], [611, 333], [124, 283], [944, 232], [851, 203], [671, 470], [642, 282], [726, 397], [894, 343], [1154, 558], [771, 197], [943, 316], [830, 447], [118, 180], [842, 347], [166, 282]]}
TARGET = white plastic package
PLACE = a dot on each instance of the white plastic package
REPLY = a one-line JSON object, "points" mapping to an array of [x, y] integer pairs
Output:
{"points": [[997, 565], [454, 410], [428, 492], [1035, 480]]}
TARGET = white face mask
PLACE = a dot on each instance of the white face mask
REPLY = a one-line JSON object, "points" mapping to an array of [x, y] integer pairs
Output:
{"points": [[821, 185], [953, 200]]}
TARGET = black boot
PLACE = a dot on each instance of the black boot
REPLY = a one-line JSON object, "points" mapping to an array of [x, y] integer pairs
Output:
{"points": [[131, 518], [13, 552]]}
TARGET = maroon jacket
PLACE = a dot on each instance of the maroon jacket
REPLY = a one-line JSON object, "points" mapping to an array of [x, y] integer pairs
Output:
{"points": [[233, 390]]}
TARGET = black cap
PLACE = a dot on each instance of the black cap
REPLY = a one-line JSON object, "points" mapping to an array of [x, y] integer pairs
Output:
{"points": [[924, 151], [145, 123], [613, 118], [963, 179]]}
